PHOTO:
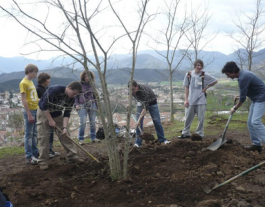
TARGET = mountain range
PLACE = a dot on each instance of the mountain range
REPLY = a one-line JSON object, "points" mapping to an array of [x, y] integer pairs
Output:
{"points": [[150, 67], [148, 59]]}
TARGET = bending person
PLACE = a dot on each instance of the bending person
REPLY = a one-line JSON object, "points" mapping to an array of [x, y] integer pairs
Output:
{"points": [[250, 86]]}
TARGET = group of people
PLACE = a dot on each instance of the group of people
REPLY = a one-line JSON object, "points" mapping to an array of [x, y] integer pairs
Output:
{"points": [[196, 83], [47, 109], [250, 85]]}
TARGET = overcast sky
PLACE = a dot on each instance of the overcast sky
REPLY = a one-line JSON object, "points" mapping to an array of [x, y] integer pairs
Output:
{"points": [[13, 36]]}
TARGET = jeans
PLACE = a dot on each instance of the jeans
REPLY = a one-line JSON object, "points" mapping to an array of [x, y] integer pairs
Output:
{"points": [[91, 112], [154, 112], [30, 140], [255, 126]]}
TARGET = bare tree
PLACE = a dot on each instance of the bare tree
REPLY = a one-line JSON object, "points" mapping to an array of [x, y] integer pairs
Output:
{"points": [[170, 37], [78, 36], [197, 37], [248, 35], [134, 37]]}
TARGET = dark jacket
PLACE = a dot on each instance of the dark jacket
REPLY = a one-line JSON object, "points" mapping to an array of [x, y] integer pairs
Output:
{"points": [[55, 100]]}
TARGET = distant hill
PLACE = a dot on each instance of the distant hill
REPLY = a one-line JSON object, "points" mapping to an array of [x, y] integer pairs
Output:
{"points": [[13, 85], [147, 59], [63, 76]]}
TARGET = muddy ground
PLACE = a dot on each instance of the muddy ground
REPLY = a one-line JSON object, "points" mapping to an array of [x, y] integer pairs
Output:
{"points": [[159, 175]]}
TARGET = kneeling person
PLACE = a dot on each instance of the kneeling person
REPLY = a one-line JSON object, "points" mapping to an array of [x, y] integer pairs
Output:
{"points": [[50, 114]]}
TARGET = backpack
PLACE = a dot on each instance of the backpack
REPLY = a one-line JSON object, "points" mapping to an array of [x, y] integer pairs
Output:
{"points": [[202, 75], [100, 133]]}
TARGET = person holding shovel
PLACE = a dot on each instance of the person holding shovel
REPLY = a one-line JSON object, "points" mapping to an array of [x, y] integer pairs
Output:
{"points": [[146, 101], [250, 86], [55, 108], [196, 83]]}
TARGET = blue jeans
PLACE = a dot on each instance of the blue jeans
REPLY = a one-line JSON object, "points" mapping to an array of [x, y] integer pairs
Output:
{"points": [[255, 126], [154, 112], [91, 112], [30, 140]]}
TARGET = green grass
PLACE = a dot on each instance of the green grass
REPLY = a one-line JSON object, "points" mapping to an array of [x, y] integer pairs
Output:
{"points": [[238, 122], [7, 151]]}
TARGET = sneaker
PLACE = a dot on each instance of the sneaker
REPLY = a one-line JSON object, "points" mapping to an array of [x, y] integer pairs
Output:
{"points": [[34, 158], [167, 142], [81, 142], [137, 145], [31, 161], [184, 136], [52, 154], [95, 140]]}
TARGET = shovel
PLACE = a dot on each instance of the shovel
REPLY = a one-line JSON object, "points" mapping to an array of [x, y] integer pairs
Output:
{"points": [[77, 145], [219, 142], [215, 185]]}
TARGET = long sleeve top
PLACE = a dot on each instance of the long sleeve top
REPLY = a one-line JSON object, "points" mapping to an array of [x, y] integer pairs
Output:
{"points": [[251, 86], [145, 95], [41, 90], [86, 95], [56, 100]]}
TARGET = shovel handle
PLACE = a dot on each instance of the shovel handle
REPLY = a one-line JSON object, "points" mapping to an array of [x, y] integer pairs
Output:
{"points": [[134, 118], [81, 148], [241, 174]]}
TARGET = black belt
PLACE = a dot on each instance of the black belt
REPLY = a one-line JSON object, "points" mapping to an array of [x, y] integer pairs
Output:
{"points": [[152, 102]]}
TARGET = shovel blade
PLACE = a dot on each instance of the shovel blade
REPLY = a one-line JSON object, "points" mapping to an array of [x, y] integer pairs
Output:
{"points": [[218, 143]]}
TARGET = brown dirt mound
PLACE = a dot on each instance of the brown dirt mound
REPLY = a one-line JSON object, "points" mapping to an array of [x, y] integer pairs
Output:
{"points": [[159, 175]]}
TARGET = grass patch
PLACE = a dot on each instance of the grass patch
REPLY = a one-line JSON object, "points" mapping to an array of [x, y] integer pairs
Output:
{"points": [[7, 151]]}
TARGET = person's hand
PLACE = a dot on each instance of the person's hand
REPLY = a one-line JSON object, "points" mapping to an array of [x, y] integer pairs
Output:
{"points": [[237, 97], [77, 107], [30, 119], [232, 110], [52, 123], [205, 89], [186, 104], [64, 132]]}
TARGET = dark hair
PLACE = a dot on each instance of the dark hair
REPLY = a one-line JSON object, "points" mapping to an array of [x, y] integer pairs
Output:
{"points": [[75, 85], [31, 68], [134, 83], [84, 73], [42, 77], [198, 61], [230, 67]]}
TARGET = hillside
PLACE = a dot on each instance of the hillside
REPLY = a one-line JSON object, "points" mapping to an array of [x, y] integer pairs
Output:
{"points": [[10, 81]]}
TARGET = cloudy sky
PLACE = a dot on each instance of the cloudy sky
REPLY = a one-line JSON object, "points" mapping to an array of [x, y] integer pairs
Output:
{"points": [[13, 37]]}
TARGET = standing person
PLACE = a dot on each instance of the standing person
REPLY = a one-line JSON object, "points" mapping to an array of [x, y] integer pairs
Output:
{"points": [[252, 87], [196, 83], [55, 108], [44, 80], [86, 104], [30, 104], [147, 101]]}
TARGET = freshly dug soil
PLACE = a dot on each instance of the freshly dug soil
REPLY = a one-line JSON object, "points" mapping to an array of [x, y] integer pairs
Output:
{"points": [[159, 175]]}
